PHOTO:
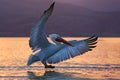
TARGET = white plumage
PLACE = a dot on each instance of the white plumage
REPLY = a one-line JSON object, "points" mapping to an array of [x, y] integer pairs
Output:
{"points": [[61, 50]]}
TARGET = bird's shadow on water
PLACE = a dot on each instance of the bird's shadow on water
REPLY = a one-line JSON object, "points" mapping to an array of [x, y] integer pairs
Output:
{"points": [[53, 75]]}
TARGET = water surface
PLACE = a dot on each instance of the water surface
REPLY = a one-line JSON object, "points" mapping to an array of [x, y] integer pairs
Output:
{"points": [[103, 63]]}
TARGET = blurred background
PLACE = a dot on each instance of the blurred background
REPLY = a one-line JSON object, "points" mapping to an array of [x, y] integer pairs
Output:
{"points": [[73, 18]]}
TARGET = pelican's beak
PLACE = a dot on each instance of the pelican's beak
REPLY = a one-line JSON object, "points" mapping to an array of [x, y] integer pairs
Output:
{"points": [[50, 9], [59, 39]]}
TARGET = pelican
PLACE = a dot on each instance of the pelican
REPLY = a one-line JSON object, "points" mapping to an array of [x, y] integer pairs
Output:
{"points": [[50, 53]]}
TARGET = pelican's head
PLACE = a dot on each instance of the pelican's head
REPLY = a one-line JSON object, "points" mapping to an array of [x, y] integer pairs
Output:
{"points": [[56, 38], [32, 59]]}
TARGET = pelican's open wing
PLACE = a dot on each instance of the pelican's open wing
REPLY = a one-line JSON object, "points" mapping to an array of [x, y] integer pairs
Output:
{"points": [[67, 52], [38, 38]]}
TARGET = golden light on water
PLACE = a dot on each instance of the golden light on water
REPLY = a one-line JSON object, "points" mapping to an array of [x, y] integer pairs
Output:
{"points": [[101, 63], [15, 51]]}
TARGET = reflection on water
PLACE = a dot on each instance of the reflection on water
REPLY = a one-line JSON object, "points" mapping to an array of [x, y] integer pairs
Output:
{"points": [[73, 74], [90, 72], [102, 63], [52, 75]]}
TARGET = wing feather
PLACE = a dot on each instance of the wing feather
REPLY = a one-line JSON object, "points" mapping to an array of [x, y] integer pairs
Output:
{"points": [[80, 47], [38, 38]]}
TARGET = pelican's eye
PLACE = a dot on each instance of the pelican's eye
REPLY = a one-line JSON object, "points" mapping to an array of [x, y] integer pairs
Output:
{"points": [[57, 39]]}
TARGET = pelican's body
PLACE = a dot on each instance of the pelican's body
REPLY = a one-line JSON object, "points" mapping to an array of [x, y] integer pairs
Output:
{"points": [[44, 54], [59, 50]]}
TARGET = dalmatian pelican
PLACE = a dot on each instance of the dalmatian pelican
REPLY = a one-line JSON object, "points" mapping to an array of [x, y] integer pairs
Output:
{"points": [[50, 53]]}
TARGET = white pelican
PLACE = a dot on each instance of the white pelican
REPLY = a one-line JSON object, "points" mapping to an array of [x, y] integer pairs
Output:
{"points": [[50, 53]]}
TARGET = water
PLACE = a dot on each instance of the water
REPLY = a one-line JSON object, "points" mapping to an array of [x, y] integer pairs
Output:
{"points": [[103, 63], [82, 72]]}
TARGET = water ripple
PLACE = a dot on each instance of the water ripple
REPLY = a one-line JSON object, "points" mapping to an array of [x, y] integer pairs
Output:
{"points": [[82, 66]]}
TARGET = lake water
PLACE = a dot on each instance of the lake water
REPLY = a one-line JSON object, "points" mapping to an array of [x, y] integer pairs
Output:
{"points": [[103, 63]]}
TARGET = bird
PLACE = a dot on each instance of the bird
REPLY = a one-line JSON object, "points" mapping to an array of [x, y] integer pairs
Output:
{"points": [[59, 49]]}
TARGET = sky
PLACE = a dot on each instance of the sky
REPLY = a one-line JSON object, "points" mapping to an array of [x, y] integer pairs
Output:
{"points": [[69, 18], [98, 5]]}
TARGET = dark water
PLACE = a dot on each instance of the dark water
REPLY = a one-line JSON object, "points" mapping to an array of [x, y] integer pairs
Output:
{"points": [[81, 72]]}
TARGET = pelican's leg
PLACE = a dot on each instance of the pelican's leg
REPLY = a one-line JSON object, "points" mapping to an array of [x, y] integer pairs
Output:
{"points": [[48, 66]]}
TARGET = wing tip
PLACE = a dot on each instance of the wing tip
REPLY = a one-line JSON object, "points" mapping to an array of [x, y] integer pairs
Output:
{"points": [[52, 5], [50, 9], [92, 41]]}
